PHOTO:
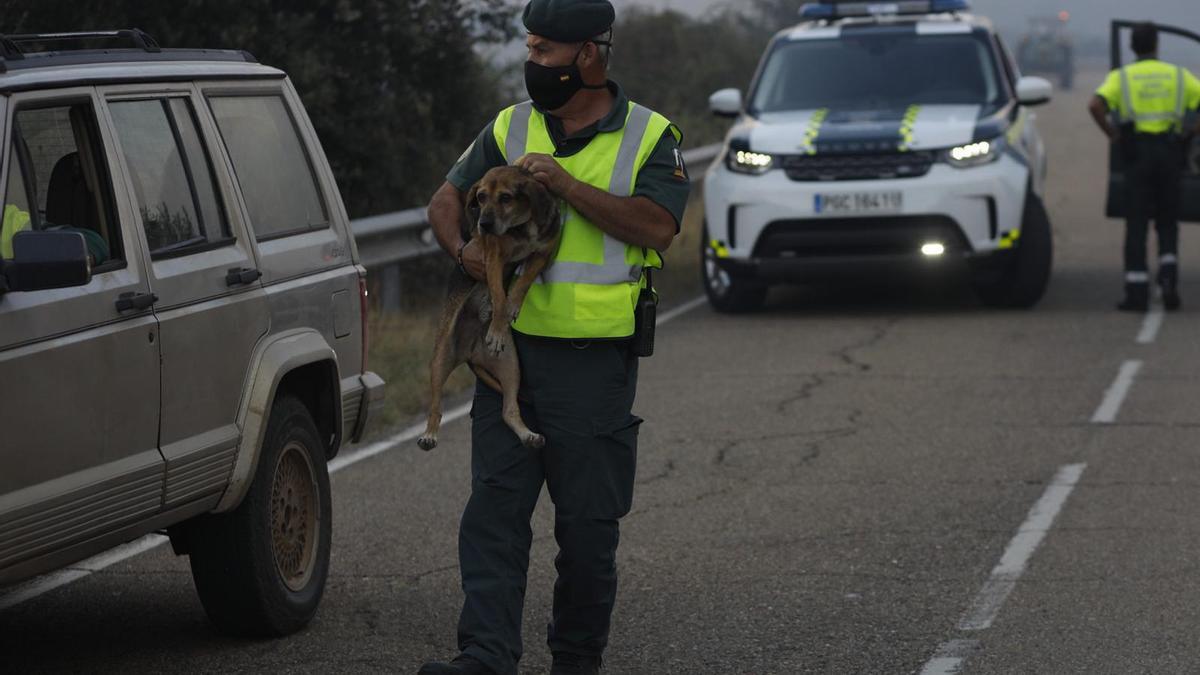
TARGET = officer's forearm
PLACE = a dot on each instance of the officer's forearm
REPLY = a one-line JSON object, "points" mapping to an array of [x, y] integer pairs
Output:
{"points": [[1099, 112], [633, 220], [445, 216]]}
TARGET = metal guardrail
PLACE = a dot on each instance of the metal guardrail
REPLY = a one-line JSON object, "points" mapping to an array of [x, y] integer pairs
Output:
{"points": [[392, 238]]}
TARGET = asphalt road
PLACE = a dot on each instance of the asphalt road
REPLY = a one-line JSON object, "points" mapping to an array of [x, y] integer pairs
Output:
{"points": [[826, 486]]}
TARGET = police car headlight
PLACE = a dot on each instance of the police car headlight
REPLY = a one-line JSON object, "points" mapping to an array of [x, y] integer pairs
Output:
{"points": [[745, 161], [975, 154]]}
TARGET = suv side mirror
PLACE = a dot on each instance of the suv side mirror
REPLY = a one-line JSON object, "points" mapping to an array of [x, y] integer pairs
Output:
{"points": [[43, 260], [726, 103], [1034, 90]]}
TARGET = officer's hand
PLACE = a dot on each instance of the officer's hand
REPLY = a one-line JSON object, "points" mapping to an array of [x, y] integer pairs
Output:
{"points": [[548, 173], [472, 260]]}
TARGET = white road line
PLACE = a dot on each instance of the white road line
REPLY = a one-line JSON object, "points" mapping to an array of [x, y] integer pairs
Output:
{"points": [[680, 310], [1150, 325], [1029, 536], [48, 582], [949, 657], [1115, 396]]}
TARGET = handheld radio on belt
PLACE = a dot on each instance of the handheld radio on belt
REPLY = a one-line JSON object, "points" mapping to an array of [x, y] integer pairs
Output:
{"points": [[645, 317]]}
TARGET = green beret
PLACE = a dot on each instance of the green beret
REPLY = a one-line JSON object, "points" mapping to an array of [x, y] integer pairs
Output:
{"points": [[569, 20]]}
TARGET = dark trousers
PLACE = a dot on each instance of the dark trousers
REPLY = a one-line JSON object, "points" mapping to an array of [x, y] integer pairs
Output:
{"points": [[1152, 181], [579, 395]]}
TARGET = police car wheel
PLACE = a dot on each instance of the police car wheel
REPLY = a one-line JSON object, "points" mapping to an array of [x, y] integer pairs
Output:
{"points": [[260, 569], [1022, 281], [727, 293]]}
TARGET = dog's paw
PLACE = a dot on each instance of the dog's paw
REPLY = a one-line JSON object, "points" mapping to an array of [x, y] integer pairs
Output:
{"points": [[427, 442], [494, 341], [534, 441], [514, 311]]}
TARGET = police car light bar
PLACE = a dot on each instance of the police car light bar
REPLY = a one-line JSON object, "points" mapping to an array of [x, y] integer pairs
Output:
{"points": [[835, 9]]}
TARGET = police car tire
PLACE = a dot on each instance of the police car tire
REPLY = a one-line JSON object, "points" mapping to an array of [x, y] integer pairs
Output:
{"points": [[234, 555], [736, 295], [1023, 281]]}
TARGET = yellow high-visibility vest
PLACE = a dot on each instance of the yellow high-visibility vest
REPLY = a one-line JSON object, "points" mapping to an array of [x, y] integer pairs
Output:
{"points": [[591, 286], [1153, 95], [15, 220]]}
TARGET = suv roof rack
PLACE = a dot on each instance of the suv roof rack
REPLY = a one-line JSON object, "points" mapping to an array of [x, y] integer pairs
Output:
{"points": [[12, 55]]}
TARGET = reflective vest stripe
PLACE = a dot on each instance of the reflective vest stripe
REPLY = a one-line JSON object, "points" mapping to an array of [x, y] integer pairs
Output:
{"points": [[518, 132], [1180, 90]]}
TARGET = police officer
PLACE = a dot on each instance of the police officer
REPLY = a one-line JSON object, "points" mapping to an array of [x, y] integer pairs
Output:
{"points": [[617, 169], [1151, 99]]}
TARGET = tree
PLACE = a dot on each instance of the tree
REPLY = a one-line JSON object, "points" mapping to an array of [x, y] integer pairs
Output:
{"points": [[395, 88], [672, 63]]}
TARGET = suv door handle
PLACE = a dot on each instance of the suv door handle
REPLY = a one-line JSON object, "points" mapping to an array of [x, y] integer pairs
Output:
{"points": [[239, 276], [138, 301]]}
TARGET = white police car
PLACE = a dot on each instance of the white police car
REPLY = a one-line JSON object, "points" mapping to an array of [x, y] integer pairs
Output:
{"points": [[878, 135]]}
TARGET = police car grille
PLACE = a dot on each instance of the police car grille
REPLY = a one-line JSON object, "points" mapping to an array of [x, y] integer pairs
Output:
{"points": [[857, 167]]}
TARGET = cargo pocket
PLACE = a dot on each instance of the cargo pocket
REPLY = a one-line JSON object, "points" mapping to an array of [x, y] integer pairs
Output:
{"points": [[614, 467]]}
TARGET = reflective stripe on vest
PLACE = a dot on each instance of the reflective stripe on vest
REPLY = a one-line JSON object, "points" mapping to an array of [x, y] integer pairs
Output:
{"points": [[1130, 114], [590, 288]]}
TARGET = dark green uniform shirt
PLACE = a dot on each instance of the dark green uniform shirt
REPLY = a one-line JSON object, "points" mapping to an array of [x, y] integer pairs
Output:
{"points": [[663, 180]]}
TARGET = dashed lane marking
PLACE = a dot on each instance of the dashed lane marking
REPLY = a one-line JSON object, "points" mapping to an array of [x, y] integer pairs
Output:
{"points": [[1150, 326], [1115, 396]]}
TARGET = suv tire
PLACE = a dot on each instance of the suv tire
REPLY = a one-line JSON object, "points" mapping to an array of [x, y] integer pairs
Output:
{"points": [[727, 293], [1022, 280], [260, 569]]}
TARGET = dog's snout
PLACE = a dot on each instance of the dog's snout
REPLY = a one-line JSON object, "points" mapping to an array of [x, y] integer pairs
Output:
{"points": [[487, 220]]}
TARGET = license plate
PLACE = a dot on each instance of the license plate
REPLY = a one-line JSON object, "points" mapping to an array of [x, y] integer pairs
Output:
{"points": [[858, 202]]}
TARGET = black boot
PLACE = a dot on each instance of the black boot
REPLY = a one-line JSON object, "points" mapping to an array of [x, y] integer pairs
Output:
{"points": [[1137, 298], [1168, 281], [459, 665], [566, 663]]}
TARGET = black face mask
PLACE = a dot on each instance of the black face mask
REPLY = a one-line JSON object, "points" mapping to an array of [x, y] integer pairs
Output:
{"points": [[551, 87]]}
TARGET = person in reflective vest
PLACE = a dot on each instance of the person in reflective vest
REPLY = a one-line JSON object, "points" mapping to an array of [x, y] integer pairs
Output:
{"points": [[617, 169], [1151, 100]]}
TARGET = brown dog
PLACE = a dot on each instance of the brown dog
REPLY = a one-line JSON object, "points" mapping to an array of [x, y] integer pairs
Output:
{"points": [[516, 220]]}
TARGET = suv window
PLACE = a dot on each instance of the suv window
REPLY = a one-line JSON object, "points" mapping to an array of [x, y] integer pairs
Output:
{"points": [[55, 181], [172, 176], [271, 164], [878, 70]]}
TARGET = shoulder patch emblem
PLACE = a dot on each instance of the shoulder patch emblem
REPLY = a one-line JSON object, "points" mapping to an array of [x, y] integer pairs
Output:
{"points": [[680, 169]]}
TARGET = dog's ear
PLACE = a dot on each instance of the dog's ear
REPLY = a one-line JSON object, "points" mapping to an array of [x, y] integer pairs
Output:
{"points": [[472, 209], [543, 205]]}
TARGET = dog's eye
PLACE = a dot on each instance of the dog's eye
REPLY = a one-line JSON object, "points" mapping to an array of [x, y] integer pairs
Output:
{"points": [[505, 198], [481, 197]]}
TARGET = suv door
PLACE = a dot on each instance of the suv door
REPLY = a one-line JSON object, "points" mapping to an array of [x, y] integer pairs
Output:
{"points": [[1189, 203], [211, 307], [80, 400]]}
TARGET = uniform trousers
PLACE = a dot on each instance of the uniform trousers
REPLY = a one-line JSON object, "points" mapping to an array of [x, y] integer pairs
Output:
{"points": [[1152, 184], [579, 395]]}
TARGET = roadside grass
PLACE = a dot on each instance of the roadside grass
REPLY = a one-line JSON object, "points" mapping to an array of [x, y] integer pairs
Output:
{"points": [[402, 342]]}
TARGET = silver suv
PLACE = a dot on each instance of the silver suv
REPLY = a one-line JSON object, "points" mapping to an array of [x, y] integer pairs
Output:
{"points": [[182, 320]]}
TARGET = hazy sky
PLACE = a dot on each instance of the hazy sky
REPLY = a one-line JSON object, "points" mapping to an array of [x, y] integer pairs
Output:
{"points": [[1088, 16]]}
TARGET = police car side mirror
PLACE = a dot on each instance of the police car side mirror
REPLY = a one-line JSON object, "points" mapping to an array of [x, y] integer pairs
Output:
{"points": [[1034, 90], [726, 103], [43, 260]]}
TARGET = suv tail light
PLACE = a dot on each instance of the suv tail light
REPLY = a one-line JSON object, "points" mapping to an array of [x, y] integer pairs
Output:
{"points": [[366, 332]]}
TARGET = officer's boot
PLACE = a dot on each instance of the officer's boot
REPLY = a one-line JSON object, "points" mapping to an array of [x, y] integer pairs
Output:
{"points": [[1168, 281], [566, 663], [1137, 297]]}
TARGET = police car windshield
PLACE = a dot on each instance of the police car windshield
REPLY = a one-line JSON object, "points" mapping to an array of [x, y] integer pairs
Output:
{"points": [[873, 69]]}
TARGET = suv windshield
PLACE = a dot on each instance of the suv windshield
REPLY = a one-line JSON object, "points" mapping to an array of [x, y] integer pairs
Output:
{"points": [[878, 69]]}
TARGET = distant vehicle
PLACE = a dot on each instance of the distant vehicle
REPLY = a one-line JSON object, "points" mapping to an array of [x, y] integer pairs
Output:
{"points": [[1047, 48], [182, 321], [875, 136]]}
